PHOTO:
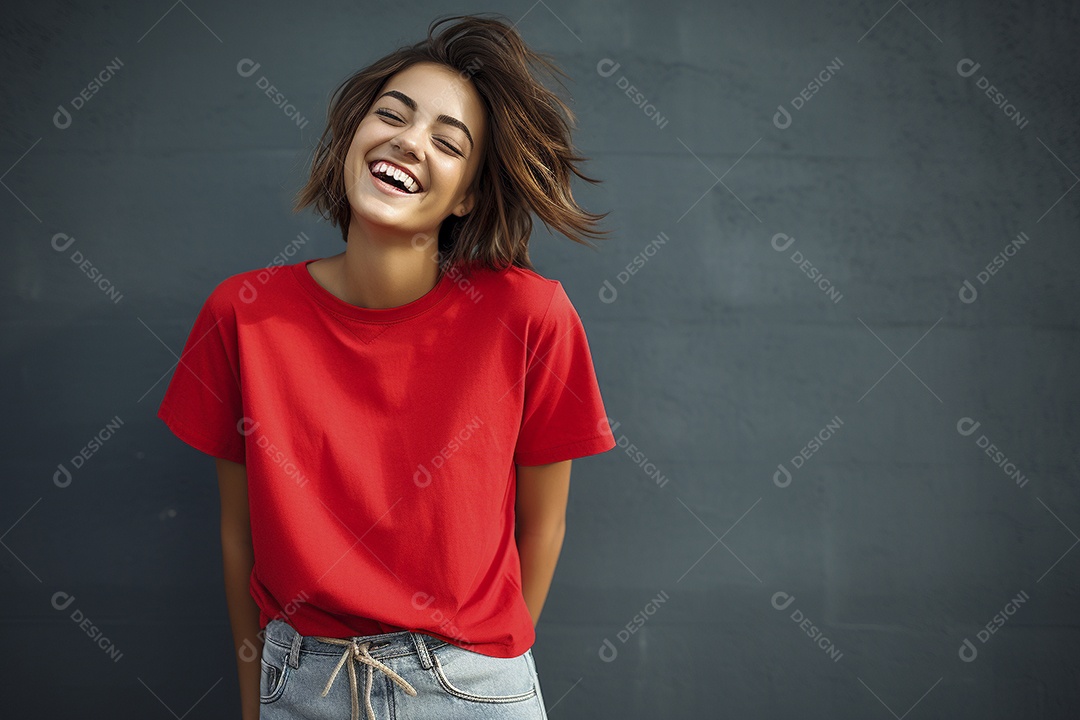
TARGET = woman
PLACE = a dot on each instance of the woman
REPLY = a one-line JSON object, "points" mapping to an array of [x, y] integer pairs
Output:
{"points": [[394, 425]]}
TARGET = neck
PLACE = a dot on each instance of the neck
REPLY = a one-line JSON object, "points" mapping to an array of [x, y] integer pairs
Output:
{"points": [[377, 272]]}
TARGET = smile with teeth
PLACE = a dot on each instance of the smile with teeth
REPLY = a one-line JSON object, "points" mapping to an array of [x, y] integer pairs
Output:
{"points": [[392, 176]]}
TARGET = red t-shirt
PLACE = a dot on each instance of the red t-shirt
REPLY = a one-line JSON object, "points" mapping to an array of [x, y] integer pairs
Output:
{"points": [[381, 444]]}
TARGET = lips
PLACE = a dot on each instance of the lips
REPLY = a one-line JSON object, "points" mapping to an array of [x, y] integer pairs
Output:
{"points": [[399, 169]]}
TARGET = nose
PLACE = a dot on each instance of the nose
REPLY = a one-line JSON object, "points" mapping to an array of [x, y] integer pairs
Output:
{"points": [[407, 142]]}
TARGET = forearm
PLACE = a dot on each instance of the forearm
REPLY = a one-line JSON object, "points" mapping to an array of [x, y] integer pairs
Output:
{"points": [[238, 560], [538, 551]]}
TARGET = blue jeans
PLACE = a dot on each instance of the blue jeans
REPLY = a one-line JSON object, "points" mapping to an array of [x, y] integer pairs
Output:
{"points": [[401, 675]]}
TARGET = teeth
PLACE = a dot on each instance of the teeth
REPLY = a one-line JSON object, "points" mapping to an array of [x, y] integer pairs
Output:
{"points": [[405, 178]]}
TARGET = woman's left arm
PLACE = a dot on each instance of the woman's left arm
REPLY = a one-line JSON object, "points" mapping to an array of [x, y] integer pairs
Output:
{"points": [[542, 493]]}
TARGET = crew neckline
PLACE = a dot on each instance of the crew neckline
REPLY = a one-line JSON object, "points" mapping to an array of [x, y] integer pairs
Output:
{"points": [[373, 315]]}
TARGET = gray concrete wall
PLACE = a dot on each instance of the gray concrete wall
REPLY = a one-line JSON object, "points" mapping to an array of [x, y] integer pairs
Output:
{"points": [[803, 352]]}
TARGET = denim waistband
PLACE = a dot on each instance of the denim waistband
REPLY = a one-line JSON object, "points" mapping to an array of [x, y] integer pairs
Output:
{"points": [[367, 650], [382, 646]]}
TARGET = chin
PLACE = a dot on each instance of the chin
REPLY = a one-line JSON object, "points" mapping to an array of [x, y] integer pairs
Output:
{"points": [[379, 214]]}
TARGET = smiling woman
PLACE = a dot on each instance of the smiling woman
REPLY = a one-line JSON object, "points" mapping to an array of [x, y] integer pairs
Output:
{"points": [[465, 116], [413, 160], [394, 425]]}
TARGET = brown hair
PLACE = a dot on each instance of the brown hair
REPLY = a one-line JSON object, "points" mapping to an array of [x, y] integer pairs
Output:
{"points": [[528, 156]]}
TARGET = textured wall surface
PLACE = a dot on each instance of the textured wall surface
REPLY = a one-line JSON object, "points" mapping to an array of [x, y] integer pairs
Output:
{"points": [[835, 327]]}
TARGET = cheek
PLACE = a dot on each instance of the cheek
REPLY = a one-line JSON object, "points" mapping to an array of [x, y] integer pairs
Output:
{"points": [[351, 157], [450, 176], [352, 166], [354, 157], [362, 137]]}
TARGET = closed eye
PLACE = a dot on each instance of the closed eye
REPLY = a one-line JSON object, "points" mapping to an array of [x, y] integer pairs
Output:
{"points": [[387, 113], [392, 116], [452, 148]]}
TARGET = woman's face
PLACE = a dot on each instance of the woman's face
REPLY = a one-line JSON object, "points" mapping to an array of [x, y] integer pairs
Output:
{"points": [[429, 121]]}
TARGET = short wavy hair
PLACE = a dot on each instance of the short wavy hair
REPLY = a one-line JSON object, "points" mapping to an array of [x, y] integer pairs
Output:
{"points": [[528, 156]]}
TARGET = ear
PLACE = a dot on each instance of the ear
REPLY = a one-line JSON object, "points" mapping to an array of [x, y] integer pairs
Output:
{"points": [[465, 206]]}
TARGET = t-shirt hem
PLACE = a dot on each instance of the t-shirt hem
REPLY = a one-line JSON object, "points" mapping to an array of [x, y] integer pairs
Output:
{"points": [[601, 442], [516, 648]]}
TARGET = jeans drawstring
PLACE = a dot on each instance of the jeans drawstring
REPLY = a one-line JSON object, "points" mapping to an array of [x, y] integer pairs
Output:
{"points": [[359, 652]]}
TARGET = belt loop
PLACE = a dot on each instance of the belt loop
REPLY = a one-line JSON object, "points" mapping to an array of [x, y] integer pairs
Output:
{"points": [[294, 650], [421, 650]]}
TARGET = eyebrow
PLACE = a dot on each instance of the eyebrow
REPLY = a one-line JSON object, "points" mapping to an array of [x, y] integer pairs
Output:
{"points": [[444, 119]]}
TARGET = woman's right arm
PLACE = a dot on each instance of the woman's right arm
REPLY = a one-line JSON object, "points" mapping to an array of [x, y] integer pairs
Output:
{"points": [[238, 558]]}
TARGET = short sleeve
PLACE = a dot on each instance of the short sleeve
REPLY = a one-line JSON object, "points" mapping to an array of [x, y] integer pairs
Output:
{"points": [[203, 405], [563, 416]]}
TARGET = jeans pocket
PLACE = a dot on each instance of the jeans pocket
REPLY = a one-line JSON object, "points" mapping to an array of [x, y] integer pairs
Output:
{"points": [[275, 672], [470, 675]]}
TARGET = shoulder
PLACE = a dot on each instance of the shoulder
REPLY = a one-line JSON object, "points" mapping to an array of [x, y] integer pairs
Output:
{"points": [[240, 290], [514, 290]]}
